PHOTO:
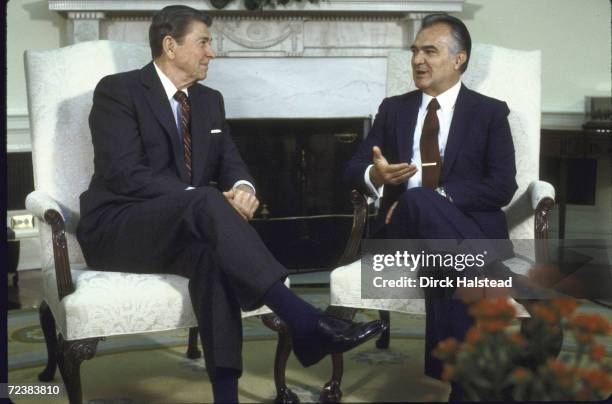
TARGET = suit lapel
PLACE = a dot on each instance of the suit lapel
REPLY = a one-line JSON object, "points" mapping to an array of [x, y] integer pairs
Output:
{"points": [[201, 126], [405, 123], [460, 125], [156, 97]]}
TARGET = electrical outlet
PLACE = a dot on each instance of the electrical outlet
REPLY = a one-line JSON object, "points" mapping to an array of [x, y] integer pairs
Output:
{"points": [[22, 222]]}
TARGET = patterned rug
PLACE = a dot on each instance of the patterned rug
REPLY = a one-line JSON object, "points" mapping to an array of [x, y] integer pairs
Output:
{"points": [[153, 367]]}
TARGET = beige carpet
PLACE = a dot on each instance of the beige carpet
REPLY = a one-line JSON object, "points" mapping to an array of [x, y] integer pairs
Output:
{"points": [[153, 367]]}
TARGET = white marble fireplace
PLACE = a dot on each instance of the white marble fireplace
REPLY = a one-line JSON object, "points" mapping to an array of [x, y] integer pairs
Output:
{"points": [[300, 61]]}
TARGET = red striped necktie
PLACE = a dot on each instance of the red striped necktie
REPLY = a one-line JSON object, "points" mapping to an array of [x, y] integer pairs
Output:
{"points": [[181, 97]]}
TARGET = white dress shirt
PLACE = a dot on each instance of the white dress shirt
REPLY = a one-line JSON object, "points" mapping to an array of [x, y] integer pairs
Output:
{"points": [[447, 102], [170, 90]]}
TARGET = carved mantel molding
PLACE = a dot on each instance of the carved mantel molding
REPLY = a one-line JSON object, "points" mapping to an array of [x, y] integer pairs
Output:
{"points": [[330, 28], [323, 6]]}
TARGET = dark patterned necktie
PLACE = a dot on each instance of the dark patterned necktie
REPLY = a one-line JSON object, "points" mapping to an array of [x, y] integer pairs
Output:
{"points": [[181, 97], [431, 163]]}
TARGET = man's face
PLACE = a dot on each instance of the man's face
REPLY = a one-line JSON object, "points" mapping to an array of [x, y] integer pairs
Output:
{"points": [[194, 52], [434, 68]]}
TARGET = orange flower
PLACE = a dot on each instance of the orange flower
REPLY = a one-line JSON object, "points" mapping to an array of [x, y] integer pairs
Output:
{"points": [[592, 323], [517, 338], [598, 352], [598, 380], [499, 309], [521, 374], [557, 367], [565, 306], [448, 372], [473, 335], [490, 326], [546, 313], [446, 348]]}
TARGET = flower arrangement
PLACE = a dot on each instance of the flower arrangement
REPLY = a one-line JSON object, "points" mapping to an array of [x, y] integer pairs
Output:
{"points": [[498, 362], [256, 4]]}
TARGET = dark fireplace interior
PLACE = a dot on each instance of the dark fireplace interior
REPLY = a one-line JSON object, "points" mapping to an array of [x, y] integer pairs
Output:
{"points": [[305, 213]]}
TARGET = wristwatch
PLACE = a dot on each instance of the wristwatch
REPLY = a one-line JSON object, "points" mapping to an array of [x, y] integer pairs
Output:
{"points": [[442, 192]]}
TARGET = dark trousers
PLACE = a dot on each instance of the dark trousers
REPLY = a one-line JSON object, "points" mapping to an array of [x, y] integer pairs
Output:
{"points": [[422, 213], [197, 234]]}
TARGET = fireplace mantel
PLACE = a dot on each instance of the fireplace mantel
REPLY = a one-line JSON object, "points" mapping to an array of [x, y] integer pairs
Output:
{"points": [[323, 60], [323, 6], [329, 28]]}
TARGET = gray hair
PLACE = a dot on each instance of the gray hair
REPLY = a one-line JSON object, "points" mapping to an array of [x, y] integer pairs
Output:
{"points": [[460, 34]]}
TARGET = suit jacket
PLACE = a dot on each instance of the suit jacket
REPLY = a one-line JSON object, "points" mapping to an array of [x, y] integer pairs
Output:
{"points": [[138, 153], [478, 171]]}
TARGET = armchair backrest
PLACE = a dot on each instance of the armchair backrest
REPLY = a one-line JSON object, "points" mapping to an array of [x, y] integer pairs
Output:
{"points": [[512, 76], [60, 85]]}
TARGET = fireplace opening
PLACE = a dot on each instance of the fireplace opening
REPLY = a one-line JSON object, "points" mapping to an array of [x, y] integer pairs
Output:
{"points": [[305, 214]]}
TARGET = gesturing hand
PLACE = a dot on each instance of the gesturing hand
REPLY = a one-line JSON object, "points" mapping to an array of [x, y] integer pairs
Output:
{"points": [[384, 173], [244, 201]]}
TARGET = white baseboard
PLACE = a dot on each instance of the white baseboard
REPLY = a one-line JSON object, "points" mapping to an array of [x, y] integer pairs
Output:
{"points": [[17, 132]]}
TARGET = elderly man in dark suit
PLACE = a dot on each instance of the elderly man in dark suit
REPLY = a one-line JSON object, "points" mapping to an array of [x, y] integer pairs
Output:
{"points": [[162, 152], [442, 159]]}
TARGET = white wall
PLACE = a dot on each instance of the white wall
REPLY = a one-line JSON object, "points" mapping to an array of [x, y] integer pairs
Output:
{"points": [[574, 36], [30, 25]]}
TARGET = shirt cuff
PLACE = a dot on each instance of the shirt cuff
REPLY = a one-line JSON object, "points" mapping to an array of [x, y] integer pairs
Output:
{"points": [[189, 188], [245, 182], [375, 192]]}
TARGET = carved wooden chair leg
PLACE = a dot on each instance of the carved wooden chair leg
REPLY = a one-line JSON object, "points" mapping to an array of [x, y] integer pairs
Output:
{"points": [[192, 348], [47, 323], [331, 392], [69, 358], [284, 395], [383, 341]]}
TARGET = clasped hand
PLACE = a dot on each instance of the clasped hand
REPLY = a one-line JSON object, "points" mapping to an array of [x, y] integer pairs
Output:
{"points": [[243, 200], [384, 173]]}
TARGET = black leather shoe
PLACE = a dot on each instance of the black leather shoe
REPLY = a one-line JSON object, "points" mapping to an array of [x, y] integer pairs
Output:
{"points": [[333, 335]]}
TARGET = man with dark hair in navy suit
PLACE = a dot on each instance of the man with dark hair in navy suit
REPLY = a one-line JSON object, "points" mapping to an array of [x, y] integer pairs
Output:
{"points": [[442, 159], [170, 193]]}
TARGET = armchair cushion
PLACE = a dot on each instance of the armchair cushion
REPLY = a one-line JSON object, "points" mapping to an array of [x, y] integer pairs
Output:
{"points": [[118, 303]]}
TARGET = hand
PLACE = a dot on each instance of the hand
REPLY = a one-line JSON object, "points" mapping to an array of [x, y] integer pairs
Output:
{"points": [[243, 200], [384, 173], [390, 213]]}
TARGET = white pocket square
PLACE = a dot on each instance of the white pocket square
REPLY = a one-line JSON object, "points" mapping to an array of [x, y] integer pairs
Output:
{"points": [[215, 131]]}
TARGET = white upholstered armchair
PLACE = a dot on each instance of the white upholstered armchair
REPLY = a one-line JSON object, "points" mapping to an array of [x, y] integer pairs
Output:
{"points": [[83, 306], [507, 74]]}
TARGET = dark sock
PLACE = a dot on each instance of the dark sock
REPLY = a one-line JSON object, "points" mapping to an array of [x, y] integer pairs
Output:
{"points": [[301, 317], [456, 394], [225, 385]]}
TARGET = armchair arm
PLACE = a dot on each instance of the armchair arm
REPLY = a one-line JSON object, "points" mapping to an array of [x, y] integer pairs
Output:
{"points": [[539, 191], [360, 216], [542, 195], [46, 209], [39, 202]]}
